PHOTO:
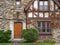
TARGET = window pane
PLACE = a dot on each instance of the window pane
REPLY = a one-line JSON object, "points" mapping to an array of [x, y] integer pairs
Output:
{"points": [[48, 24], [43, 30], [41, 7], [39, 30], [45, 7], [45, 2], [48, 27], [48, 30], [41, 2], [17, 3], [43, 24], [39, 24]]}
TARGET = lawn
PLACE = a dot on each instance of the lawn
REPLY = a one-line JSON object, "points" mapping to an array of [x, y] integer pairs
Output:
{"points": [[5, 43], [37, 44], [29, 44]]}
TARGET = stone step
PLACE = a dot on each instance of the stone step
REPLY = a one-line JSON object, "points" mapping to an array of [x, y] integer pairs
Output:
{"points": [[57, 44], [17, 40]]}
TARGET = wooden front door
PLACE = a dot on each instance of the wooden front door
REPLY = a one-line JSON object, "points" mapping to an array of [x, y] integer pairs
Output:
{"points": [[17, 29]]}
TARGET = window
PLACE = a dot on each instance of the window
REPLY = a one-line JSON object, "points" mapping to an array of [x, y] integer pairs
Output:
{"points": [[43, 5], [44, 26], [18, 3]]}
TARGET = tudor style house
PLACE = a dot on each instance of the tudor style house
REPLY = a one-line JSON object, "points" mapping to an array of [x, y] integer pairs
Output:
{"points": [[17, 15]]}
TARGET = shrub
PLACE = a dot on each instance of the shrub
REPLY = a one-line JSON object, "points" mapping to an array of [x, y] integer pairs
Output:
{"points": [[5, 35], [30, 34], [49, 41]]}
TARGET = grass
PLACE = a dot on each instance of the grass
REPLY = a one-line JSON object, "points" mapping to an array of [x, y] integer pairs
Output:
{"points": [[29, 44], [5, 43], [37, 44]]}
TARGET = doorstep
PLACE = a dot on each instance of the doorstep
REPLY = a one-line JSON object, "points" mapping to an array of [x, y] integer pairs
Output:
{"points": [[17, 40]]}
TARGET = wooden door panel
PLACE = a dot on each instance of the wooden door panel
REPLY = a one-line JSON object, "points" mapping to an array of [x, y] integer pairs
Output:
{"points": [[17, 29]]}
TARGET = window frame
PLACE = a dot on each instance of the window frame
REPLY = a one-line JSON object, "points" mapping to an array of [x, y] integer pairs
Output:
{"points": [[43, 1], [18, 6], [42, 28]]}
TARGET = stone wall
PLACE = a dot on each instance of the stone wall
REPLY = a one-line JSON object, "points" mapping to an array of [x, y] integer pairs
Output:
{"points": [[8, 12]]}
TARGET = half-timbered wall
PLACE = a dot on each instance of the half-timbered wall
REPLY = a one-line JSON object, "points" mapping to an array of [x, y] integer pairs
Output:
{"points": [[42, 14]]}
